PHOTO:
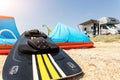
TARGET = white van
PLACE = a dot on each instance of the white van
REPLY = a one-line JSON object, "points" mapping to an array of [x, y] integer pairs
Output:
{"points": [[107, 25], [108, 29]]}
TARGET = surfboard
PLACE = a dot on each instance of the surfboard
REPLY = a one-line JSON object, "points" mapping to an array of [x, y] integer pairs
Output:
{"points": [[26, 61]]}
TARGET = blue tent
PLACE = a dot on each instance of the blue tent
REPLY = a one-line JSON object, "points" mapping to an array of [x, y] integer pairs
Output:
{"points": [[8, 31], [67, 37], [8, 34], [8, 27], [65, 33]]}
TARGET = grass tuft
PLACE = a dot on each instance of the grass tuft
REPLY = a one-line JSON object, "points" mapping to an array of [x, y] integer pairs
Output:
{"points": [[106, 38]]}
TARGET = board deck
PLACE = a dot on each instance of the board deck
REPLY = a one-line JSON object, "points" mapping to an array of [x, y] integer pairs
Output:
{"points": [[45, 66]]}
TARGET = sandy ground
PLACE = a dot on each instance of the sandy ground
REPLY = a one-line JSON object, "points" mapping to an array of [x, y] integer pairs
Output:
{"points": [[99, 63]]}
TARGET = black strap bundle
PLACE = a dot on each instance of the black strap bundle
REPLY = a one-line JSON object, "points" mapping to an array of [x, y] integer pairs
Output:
{"points": [[35, 33], [38, 45]]}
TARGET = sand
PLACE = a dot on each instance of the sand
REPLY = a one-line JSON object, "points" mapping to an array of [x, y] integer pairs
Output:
{"points": [[2, 60], [99, 63]]}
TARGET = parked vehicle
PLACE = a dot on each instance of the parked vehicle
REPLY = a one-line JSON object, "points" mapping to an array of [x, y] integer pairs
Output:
{"points": [[104, 25], [108, 29], [108, 25]]}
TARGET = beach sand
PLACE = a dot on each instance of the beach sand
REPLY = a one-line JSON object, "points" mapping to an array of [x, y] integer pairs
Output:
{"points": [[99, 63]]}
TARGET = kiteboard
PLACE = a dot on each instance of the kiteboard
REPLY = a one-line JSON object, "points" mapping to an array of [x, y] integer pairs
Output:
{"points": [[35, 57]]}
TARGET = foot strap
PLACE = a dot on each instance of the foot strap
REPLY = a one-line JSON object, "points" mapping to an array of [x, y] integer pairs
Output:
{"points": [[38, 45]]}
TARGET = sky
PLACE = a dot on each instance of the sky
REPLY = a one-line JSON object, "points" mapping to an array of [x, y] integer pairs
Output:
{"points": [[32, 14]]}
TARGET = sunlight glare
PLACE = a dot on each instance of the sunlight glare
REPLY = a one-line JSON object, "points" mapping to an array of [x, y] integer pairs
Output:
{"points": [[4, 4]]}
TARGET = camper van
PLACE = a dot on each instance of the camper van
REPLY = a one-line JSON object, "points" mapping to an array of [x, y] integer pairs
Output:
{"points": [[108, 25], [104, 25]]}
